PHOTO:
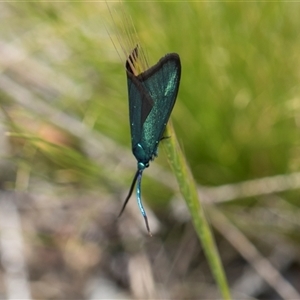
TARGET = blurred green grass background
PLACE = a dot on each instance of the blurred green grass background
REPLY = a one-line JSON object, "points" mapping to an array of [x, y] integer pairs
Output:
{"points": [[236, 116]]}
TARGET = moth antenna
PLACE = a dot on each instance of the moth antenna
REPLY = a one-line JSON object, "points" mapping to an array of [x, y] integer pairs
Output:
{"points": [[139, 199], [130, 193]]}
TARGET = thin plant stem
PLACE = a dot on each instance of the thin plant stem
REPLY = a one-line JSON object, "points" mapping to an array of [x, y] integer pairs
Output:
{"points": [[189, 192]]}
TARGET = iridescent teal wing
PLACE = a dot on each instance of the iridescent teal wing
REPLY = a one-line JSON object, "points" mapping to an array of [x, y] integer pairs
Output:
{"points": [[152, 95]]}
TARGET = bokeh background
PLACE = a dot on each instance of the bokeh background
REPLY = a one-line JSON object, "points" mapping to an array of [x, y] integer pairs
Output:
{"points": [[66, 162]]}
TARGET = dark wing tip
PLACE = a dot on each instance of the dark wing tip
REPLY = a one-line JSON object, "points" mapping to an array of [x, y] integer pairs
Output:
{"points": [[172, 57], [166, 59]]}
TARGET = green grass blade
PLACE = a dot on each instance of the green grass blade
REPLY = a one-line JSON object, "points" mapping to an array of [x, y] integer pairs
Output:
{"points": [[189, 192]]}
